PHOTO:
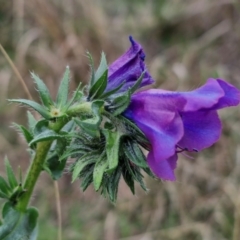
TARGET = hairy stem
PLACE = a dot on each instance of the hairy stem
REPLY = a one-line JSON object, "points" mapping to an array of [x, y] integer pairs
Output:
{"points": [[33, 174]]}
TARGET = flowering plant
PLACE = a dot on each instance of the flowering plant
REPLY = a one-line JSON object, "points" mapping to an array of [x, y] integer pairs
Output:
{"points": [[104, 128]]}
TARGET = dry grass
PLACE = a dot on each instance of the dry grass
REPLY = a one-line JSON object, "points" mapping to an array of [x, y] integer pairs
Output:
{"points": [[186, 42]]}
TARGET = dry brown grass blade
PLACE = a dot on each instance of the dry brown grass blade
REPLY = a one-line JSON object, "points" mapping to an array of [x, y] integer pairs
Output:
{"points": [[59, 213], [19, 77]]}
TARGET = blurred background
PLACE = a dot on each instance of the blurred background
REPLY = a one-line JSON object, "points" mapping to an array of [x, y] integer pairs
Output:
{"points": [[186, 42]]}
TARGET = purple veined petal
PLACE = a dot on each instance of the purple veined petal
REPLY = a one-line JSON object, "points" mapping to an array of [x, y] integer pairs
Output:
{"points": [[129, 68], [163, 169], [201, 129], [163, 128], [213, 95], [231, 95]]}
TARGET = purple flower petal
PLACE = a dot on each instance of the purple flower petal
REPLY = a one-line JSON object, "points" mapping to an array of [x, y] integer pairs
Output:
{"points": [[163, 128], [129, 68], [201, 130], [163, 169]]}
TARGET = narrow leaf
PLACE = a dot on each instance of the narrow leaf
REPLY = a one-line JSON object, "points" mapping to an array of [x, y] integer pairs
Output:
{"points": [[11, 176], [81, 163], [112, 148], [102, 67], [134, 153], [115, 90], [98, 172], [43, 91], [31, 121], [40, 109], [137, 84], [99, 86], [45, 136], [62, 95], [76, 96], [27, 135], [4, 186], [120, 103]]}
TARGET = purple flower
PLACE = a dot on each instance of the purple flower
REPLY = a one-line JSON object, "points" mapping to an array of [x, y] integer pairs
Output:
{"points": [[180, 121], [129, 68]]}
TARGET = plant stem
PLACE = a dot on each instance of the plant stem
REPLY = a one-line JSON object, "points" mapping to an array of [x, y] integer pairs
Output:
{"points": [[33, 174]]}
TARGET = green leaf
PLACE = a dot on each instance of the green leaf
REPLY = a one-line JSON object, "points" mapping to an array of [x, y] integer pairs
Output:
{"points": [[4, 186], [62, 95], [87, 177], [103, 66], [81, 163], [112, 148], [120, 103], [98, 171], [129, 181], [40, 127], [134, 153], [91, 125], [43, 91], [113, 183], [11, 176], [40, 109], [53, 165], [19, 226], [31, 121], [76, 96], [135, 87], [99, 86], [92, 78], [45, 136], [3, 195], [115, 90], [27, 135]]}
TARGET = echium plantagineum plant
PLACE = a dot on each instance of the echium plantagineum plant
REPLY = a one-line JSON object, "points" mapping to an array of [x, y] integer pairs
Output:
{"points": [[104, 128]]}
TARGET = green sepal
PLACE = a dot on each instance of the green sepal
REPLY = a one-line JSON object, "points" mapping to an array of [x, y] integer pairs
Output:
{"points": [[40, 109], [103, 66], [135, 132], [115, 90], [17, 225], [43, 91], [137, 84], [81, 163], [98, 87], [41, 126], [3, 195], [31, 121], [98, 171], [77, 96], [27, 134], [112, 148], [53, 165], [46, 136], [91, 125], [128, 178], [10, 174], [92, 77], [86, 176], [62, 95], [134, 153], [4, 187], [120, 103], [136, 174]]}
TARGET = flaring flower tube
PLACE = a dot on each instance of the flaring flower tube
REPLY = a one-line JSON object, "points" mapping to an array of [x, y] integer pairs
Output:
{"points": [[128, 68], [180, 121]]}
